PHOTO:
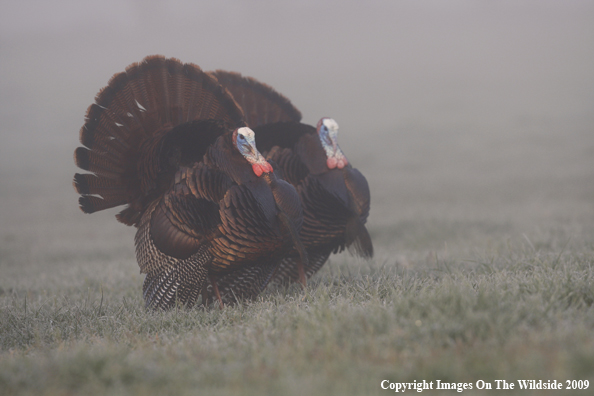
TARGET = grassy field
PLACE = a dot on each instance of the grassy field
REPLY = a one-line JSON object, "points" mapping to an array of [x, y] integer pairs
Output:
{"points": [[473, 123], [512, 311], [476, 277]]}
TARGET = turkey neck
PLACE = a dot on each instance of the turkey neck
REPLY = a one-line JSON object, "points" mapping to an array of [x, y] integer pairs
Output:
{"points": [[223, 155], [285, 197]]}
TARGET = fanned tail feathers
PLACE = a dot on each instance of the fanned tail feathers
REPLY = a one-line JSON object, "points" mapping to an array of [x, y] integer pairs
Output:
{"points": [[260, 103], [126, 126]]}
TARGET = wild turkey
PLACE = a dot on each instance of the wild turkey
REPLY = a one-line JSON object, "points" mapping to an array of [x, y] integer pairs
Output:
{"points": [[165, 139], [335, 196]]}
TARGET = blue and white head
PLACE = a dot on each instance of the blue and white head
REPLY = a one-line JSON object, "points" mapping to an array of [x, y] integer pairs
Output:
{"points": [[245, 141], [328, 132]]}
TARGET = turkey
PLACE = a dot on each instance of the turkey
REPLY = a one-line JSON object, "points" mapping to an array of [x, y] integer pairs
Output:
{"points": [[335, 196], [166, 140]]}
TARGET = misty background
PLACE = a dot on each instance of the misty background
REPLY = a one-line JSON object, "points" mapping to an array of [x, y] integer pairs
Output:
{"points": [[461, 114]]}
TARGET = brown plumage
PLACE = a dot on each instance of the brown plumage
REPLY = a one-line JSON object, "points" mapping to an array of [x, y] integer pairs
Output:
{"points": [[260, 103], [165, 139], [335, 196]]}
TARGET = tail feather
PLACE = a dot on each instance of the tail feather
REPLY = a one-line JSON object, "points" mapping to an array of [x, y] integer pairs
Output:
{"points": [[155, 86], [96, 163], [192, 94], [129, 216], [107, 129], [89, 184], [128, 123], [92, 204], [176, 91], [148, 85], [200, 95], [120, 98], [357, 238], [260, 103]]}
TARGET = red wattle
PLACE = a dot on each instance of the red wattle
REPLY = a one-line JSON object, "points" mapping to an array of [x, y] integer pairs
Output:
{"points": [[331, 163], [262, 168], [257, 168]]}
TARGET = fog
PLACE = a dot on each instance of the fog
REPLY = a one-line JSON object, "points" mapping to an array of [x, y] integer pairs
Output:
{"points": [[453, 110]]}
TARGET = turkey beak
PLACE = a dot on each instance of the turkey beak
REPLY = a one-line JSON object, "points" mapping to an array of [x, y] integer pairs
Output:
{"points": [[253, 151], [259, 157]]}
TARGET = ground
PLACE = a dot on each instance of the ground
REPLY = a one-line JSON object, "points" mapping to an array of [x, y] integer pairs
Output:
{"points": [[475, 277]]}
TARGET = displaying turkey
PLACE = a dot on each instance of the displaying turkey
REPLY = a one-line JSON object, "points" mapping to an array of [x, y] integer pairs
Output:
{"points": [[335, 196], [165, 139]]}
